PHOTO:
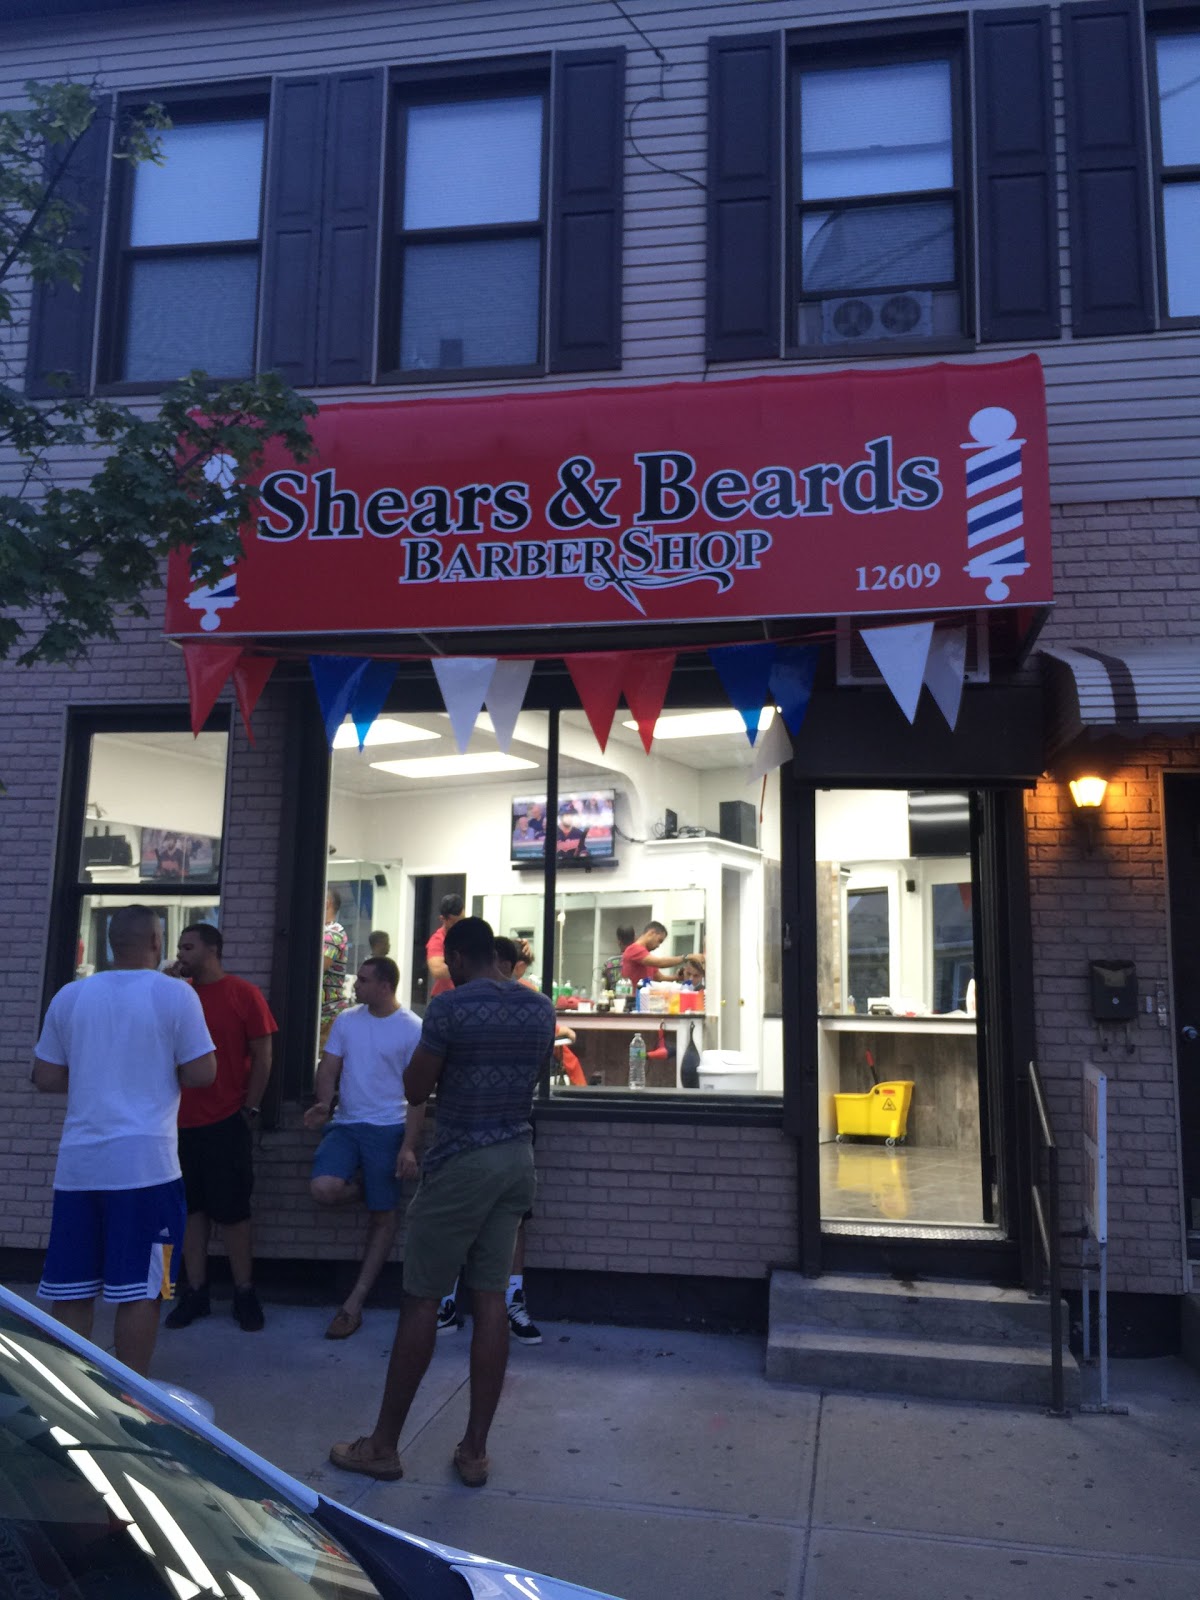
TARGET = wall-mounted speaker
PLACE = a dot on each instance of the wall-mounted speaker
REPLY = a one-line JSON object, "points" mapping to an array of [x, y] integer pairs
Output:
{"points": [[738, 822]]}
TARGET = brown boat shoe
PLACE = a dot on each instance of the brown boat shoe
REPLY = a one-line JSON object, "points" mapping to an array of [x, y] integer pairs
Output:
{"points": [[358, 1456], [472, 1470], [344, 1324]]}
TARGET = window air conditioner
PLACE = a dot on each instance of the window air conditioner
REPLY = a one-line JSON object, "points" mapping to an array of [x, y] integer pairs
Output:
{"points": [[856, 667], [868, 317]]}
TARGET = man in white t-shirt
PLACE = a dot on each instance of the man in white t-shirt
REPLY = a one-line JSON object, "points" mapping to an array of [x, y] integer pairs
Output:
{"points": [[370, 1145], [119, 1045]]}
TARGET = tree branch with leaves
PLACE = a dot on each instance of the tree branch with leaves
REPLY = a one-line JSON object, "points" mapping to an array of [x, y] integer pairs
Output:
{"points": [[77, 559]]}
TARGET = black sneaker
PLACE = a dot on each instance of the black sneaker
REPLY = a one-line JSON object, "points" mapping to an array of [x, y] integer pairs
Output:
{"points": [[247, 1312], [522, 1327], [447, 1317], [193, 1303]]}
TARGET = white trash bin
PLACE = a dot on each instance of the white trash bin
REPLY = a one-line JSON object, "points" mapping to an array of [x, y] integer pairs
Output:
{"points": [[727, 1071]]}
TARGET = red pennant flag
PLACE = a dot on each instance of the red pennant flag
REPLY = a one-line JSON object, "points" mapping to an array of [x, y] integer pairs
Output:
{"points": [[645, 681], [249, 680], [597, 678], [208, 667]]}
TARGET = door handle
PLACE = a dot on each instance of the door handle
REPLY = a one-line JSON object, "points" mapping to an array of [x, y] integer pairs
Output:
{"points": [[1189, 1033]]}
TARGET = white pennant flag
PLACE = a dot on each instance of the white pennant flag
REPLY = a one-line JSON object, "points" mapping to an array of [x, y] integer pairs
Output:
{"points": [[506, 696], [464, 682], [945, 669], [772, 750], [900, 653]]}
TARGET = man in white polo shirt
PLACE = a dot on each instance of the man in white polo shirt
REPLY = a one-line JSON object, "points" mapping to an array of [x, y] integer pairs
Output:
{"points": [[119, 1045], [368, 1146]]}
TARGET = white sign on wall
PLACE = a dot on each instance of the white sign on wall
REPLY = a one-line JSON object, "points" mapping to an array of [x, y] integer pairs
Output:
{"points": [[1095, 1153]]}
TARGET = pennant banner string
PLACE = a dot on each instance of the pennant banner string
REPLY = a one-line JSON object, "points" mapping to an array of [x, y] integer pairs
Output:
{"points": [[464, 682]]}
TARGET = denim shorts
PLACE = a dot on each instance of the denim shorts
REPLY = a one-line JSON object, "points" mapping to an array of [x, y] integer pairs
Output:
{"points": [[466, 1213], [366, 1147]]}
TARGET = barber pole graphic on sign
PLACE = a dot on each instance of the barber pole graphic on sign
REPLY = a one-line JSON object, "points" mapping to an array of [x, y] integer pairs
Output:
{"points": [[824, 495], [995, 501]]}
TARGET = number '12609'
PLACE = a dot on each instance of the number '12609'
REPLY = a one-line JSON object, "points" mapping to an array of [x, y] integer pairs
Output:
{"points": [[912, 576]]}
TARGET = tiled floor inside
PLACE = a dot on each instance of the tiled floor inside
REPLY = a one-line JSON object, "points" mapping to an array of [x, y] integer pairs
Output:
{"points": [[870, 1183]]}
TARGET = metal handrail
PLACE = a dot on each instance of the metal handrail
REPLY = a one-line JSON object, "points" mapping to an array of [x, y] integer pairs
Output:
{"points": [[1049, 1231]]}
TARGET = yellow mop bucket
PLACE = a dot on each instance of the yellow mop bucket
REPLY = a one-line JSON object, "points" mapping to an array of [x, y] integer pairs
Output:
{"points": [[880, 1114]]}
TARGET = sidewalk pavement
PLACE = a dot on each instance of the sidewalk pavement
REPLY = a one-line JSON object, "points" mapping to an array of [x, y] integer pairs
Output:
{"points": [[655, 1465]]}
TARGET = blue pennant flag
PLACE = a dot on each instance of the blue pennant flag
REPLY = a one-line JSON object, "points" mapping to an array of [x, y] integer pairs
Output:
{"points": [[745, 672], [373, 689], [792, 682], [337, 679]]}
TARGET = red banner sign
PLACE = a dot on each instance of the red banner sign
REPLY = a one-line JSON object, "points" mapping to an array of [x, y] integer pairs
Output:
{"points": [[844, 494]]}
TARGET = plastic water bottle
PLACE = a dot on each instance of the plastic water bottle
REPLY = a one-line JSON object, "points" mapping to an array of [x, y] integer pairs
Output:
{"points": [[637, 1062]]}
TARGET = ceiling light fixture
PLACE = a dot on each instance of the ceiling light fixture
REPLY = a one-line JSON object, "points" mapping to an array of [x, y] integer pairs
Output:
{"points": [[455, 766], [387, 730], [704, 724]]}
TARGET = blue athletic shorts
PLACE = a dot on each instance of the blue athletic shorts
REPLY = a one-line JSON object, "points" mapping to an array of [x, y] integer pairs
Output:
{"points": [[366, 1147], [124, 1242]]}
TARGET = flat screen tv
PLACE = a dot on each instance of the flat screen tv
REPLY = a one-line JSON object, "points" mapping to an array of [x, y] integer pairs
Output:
{"points": [[583, 830]]}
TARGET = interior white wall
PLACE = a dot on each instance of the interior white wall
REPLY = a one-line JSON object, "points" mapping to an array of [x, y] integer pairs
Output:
{"points": [[152, 786], [349, 827], [861, 824]]}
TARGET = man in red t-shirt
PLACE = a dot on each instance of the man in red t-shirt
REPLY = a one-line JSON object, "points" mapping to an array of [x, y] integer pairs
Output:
{"points": [[215, 1127], [450, 910], [638, 960]]}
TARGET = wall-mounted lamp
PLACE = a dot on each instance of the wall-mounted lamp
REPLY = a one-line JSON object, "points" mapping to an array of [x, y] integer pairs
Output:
{"points": [[1088, 794]]}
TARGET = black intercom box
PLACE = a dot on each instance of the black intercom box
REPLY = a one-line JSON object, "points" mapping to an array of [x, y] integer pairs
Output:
{"points": [[1114, 990]]}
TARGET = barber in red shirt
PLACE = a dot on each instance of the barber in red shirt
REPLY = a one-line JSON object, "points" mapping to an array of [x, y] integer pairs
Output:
{"points": [[450, 910], [638, 960], [215, 1127]]}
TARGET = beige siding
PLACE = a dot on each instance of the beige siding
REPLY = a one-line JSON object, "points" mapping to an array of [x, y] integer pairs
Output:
{"points": [[1124, 412]]}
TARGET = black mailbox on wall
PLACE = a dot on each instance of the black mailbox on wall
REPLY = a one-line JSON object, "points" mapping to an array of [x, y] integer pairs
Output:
{"points": [[1114, 990]]}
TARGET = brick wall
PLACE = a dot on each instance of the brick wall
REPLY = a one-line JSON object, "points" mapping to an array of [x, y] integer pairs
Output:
{"points": [[1127, 571], [612, 1197]]}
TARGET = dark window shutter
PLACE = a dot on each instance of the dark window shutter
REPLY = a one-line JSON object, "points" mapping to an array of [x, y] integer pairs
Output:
{"points": [[350, 229], [1112, 281], [743, 197], [292, 231], [586, 211], [62, 319], [1014, 129]]}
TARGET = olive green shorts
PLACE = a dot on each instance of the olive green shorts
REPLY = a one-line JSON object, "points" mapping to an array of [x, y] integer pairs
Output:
{"points": [[466, 1214]]}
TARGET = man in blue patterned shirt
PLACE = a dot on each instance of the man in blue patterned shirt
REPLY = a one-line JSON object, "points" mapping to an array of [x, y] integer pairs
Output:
{"points": [[482, 1046]]}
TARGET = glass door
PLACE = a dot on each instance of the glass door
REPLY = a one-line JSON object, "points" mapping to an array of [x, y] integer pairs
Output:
{"points": [[899, 1112]]}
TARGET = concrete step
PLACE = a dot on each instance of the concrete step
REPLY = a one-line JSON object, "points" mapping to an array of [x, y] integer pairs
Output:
{"points": [[938, 1310], [1009, 1374]]}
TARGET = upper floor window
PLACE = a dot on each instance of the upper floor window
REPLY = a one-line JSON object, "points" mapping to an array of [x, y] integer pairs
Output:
{"points": [[1177, 69], [469, 236], [877, 203], [188, 269]]}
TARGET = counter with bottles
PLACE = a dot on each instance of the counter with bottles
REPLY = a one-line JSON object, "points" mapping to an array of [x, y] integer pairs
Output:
{"points": [[602, 1041]]}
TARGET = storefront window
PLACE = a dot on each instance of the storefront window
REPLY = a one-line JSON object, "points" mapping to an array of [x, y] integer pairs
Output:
{"points": [[684, 842], [897, 1052], [414, 822], [153, 824]]}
